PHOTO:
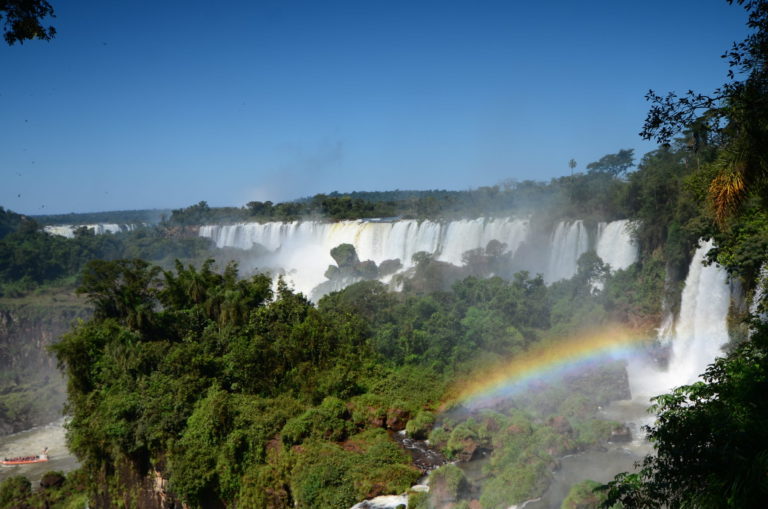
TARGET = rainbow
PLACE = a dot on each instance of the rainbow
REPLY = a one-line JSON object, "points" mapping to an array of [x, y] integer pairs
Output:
{"points": [[547, 361]]}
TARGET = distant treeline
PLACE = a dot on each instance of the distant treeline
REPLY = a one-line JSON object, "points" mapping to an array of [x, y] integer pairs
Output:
{"points": [[31, 258], [145, 216], [597, 193]]}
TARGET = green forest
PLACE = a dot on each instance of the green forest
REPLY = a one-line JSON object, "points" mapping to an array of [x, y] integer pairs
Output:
{"points": [[231, 389]]}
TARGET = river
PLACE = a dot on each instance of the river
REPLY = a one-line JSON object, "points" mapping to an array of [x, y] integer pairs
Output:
{"points": [[31, 442]]}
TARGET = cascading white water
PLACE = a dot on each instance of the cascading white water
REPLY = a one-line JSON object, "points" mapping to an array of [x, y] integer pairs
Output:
{"points": [[615, 245], [700, 332], [569, 241], [302, 249], [68, 230], [759, 295], [695, 339]]}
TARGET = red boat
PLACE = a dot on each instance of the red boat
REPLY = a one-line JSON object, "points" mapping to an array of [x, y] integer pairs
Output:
{"points": [[25, 460]]}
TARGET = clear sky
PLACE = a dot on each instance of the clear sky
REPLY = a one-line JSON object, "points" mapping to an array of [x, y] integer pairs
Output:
{"points": [[161, 104]]}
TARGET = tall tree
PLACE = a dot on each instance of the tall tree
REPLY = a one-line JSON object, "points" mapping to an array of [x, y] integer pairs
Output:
{"points": [[22, 20], [710, 438], [613, 164], [732, 116]]}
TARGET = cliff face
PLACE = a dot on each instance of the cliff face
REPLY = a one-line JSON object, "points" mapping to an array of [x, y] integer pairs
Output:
{"points": [[121, 485], [32, 390]]}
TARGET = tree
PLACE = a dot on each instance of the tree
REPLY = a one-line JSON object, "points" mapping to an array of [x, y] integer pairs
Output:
{"points": [[22, 20], [572, 165], [711, 439], [613, 164], [733, 117]]}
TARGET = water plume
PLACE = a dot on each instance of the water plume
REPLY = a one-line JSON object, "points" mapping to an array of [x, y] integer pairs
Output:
{"points": [[698, 335], [301, 249]]}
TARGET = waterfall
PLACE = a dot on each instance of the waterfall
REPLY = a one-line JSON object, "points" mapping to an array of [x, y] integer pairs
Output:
{"points": [[615, 245], [702, 328], [68, 230], [694, 340], [700, 332], [302, 249], [568, 242], [760, 291]]}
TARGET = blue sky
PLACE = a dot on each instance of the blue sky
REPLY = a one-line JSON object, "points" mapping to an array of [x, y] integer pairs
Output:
{"points": [[163, 104]]}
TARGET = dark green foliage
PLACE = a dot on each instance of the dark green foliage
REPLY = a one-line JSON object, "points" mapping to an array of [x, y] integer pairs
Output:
{"points": [[635, 295], [329, 421], [200, 213], [420, 426], [121, 217], [665, 197], [226, 381], [22, 20], [14, 491], [327, 475], [56, 491], [11, 222], [583, 495], [743, 248], [597, 194], [30, 258], [446, 485], [710, 439], [613, 164], [205, 369]]}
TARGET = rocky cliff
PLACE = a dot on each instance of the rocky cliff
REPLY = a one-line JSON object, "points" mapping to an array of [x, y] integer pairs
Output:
{"points": [[32, 390]]}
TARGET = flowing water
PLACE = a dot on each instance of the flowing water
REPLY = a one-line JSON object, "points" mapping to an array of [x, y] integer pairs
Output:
{"points": [[32, 442], [615, 244], [68, 230], [700, 332], [697, 338], [569, 241], [761, 289], [301, 250]]}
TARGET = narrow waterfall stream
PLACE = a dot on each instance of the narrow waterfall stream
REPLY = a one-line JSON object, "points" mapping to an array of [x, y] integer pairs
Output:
{"points": [[698, 336]]}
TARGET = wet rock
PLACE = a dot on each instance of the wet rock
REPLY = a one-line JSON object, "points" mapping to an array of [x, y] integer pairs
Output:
{"points": [[52, 480], [424, 457], [397, 418], [388, 267], [468, 448], [561, 425], [621, 434]]}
